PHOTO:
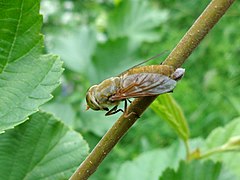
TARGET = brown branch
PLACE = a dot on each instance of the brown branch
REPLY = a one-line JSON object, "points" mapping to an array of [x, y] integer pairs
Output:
{"points": [[178, 56], [210, 16]]}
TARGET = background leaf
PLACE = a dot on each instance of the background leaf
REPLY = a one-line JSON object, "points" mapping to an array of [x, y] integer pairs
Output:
{"points": [[221, 136], [41, 148], [194, 170], [150, 165], [75, 46], [116, 61], [168, 109], [61, 111], [136, 20], [27, 78]]}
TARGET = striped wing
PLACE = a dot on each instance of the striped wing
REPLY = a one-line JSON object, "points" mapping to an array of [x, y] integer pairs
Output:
{"points": [[143, 84]]}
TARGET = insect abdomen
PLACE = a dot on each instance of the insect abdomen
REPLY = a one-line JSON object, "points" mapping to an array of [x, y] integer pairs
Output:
{"points": [[158, 69]]}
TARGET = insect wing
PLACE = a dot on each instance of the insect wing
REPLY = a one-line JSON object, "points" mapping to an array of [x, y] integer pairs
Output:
{"points": [[143, 84]]}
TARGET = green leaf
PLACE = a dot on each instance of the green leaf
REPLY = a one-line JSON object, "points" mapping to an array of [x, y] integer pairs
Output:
{"points": [[20, 25], [63, 111], [75, 46], [150, 165], [224, 140], [168, 109], [235, 103], [41, 148], [194, 170], [94, 121], [112, 58], [26, 76], [136, 19]]}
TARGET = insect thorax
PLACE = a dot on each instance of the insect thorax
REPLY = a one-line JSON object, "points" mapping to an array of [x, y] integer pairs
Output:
{"points": [[106, 89]]}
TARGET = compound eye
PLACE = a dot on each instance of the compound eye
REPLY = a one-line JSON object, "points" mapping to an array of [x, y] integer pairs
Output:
{"points": [[92, 104]]}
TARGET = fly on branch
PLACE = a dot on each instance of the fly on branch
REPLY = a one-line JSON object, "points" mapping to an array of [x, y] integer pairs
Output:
{"points": [[138, 81]]}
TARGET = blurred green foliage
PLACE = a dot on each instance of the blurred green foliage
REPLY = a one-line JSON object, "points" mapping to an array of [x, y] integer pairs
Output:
{"points": [[100, 39], [195, 170]]}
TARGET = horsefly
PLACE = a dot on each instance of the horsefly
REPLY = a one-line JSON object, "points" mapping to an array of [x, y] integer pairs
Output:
{"points": [[138, 81]]}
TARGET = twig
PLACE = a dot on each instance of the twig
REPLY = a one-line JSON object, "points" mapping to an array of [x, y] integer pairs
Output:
{"points": [[178, 56], [210, 16]]}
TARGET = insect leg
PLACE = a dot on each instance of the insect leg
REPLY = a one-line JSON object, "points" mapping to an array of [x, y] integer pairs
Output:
{"points": [[125, 105], [129, 100], [126, 114], [114, 110]]}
